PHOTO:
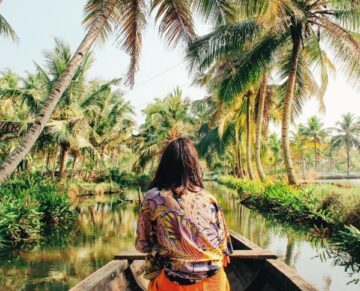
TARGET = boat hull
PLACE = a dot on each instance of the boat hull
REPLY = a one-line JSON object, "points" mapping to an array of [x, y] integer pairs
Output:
{"points": [[251, 268]]}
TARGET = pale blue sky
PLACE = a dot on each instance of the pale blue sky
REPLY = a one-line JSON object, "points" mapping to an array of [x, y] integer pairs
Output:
{"points": [[38, 22]]}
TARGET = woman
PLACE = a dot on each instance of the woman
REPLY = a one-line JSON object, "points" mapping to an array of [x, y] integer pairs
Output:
{"points": [[182, 227]]}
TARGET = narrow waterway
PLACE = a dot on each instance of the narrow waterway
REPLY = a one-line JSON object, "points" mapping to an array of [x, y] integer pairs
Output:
{"points": [[105, 227]]}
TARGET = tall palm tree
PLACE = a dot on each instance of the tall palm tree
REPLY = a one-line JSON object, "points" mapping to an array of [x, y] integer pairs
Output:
{"points": [[315, 131], [262, 94], [5, 28], [249, 123], [299, 145], [347, 134], [128, 19], [289, 32]]}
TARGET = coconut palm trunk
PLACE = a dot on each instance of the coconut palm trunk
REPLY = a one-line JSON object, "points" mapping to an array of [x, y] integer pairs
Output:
{"points": [[348, 159], [316, 155], [239, 166], [15, 157], [248, 137], [63, 159], [286, 118], [259, 123]]}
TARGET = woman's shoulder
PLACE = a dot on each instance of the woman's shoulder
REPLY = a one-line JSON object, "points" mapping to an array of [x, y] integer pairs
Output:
{"points": [[208, 195], [151, 193]]}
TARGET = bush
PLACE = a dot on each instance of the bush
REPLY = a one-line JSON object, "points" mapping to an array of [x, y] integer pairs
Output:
{"points": [[27, 205], [245, 188], [20, 220], [125, 179]]}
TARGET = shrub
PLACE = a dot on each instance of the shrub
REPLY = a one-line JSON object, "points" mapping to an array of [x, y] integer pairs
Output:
{"points": [[124, 179], [27, 205]]}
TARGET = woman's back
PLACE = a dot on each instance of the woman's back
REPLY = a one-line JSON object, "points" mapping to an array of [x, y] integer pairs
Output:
{"points": [[181, 226], [187, 234]]}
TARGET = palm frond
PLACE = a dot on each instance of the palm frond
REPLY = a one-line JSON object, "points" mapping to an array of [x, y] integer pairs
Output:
{"points": [[251, 65], [346, 50], [225, 40], [219, 12], [176, 22], [131, 26], [91, 12], [6, 29]]}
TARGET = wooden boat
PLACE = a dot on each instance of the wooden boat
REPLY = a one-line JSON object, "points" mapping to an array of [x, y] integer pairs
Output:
{"points": [[251, 268]]}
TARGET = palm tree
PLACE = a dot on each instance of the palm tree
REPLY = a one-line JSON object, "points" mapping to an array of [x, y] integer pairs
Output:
{"points": [[299, 143], [165, 120], [347, 134], [5, 28], [110, 118], [99, 21], [88, 117], [262, 94], [290, 35], [274, 145], [316, 133], [249, 135], [128, 19]]}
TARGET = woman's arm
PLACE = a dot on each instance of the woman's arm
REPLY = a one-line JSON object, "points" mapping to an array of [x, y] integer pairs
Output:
{"points": [[143, 242], [227, 246]]}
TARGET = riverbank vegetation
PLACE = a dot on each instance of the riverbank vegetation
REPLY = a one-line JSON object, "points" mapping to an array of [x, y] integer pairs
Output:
{"points": [[325, 206], [28, 205], [327, 209]]}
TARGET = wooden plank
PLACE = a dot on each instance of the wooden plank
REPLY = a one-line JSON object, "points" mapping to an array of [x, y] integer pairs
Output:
{"points": [[109, 277], [130, 255], [278, 267], [137, 271], [258, 254], [253, 254], [248, 244]]}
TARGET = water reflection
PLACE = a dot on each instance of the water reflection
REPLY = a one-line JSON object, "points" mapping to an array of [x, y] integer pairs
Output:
{"points": [[290, 243], [105, 227]]}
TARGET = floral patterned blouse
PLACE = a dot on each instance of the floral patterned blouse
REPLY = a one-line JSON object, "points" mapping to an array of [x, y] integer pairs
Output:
{"points": [[184, 235]]}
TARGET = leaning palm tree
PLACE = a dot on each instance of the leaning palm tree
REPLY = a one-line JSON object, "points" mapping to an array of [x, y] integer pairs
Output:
{"points": [[347, 134], [128, 19], [5, 28]]}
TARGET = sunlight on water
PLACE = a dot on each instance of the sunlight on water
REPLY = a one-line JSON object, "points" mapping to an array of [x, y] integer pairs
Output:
{"points": [[105, 227]]}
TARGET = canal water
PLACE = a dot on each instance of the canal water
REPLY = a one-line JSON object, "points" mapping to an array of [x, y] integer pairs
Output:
{"points": [[105, 227]]}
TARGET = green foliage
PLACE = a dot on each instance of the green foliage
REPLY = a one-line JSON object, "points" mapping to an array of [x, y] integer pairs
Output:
{"points": [[20, 220], [306, 205], [245, 187], [125, 179], [28, 204]]}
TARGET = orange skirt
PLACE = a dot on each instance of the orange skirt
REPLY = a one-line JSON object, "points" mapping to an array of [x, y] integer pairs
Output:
{"points": [[217, 282]]}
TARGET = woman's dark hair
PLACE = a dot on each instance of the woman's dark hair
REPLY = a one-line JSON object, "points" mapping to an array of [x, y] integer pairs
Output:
{"points": [[179, 168]]}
